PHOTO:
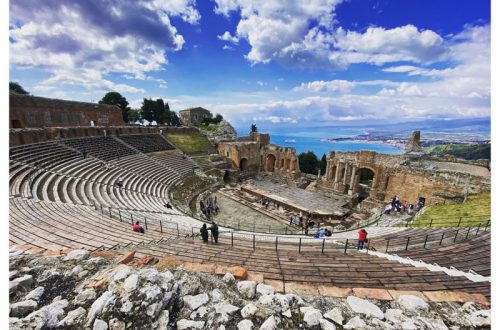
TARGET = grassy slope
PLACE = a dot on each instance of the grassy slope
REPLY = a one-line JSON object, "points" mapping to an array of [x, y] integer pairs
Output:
{"points": [[464, 151], [191, 143], [476, 210]]}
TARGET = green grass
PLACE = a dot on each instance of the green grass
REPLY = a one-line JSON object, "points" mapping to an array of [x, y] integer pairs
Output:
{"points": [[465, 151], [191, 144], [476, 210]]}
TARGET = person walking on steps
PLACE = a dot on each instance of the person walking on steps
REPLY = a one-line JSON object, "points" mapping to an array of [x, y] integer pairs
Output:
{"points": [[362, 234], [215, 232], [204, 233]]}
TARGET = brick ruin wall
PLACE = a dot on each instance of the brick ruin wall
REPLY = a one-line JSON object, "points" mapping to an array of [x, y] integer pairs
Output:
{"points": [[28, 111], [410, 183], [35, 135]]}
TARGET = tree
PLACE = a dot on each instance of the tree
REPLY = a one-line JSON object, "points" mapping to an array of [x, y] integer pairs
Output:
{"points": [[253, 128], [16, 88], [217, 119], [134, 115], [115, 98], [308, 162], [322, 164], [148, 109]]}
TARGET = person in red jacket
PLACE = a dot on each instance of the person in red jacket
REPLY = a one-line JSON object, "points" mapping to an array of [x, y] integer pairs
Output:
{"points": [[362, 234], [138, 228]]}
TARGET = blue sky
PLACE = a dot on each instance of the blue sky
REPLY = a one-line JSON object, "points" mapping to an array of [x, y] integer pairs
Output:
{"points": [[281, 64]]}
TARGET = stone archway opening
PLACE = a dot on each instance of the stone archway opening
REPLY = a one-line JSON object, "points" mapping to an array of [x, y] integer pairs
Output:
{"points": [[243, 164], [366, 178], [270, 161]]}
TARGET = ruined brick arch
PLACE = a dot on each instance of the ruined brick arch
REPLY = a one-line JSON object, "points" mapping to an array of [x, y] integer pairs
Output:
{"points": [[373, 171], [243, 164], [270, 163]]}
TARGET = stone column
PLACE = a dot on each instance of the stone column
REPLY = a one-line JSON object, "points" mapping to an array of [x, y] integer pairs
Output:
{"points": [[345, 172], [337, 172], [328, 166], [351, 184]]}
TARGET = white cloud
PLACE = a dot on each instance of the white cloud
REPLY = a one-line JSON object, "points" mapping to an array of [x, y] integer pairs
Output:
{"points": [[81, 43], [261, 83], [301, 33], [343, 86], [227, 47], [226, 36]]}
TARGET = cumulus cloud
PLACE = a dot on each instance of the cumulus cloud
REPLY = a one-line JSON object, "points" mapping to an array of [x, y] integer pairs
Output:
{"points": [[80, 42], [301, 33], [460, 90], [226, 36]]}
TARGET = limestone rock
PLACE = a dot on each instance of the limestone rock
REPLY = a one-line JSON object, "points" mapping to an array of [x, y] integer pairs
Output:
{"points": [[23, 308], [188, 324], [163, 319], [35, 294], [76, 270], [434, 324], [115, 324], [247, 289], [269, 324], [47, 316], [225, 308], [355, 323], [74, 318], [76, 255], [216, 295], [193, 302], [248, 311], [131, 282], [325, 325], [228, 278], [98, 306], [365, 307], [25, 282], [100, 325], [335, 315], [394, 315], [222, 131], [245, 325], [200, 312], [312, 317], [263, 289], [287, 313], [85, 296], [413, 304], [481, 318]]}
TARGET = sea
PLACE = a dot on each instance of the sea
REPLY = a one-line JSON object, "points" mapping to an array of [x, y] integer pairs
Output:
{"points": [[317, 141]]}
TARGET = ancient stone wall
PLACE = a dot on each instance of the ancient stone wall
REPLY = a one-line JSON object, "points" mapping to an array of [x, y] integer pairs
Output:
{"points": [[28, 111], [34, 135], [437, 180], [194, 116]]}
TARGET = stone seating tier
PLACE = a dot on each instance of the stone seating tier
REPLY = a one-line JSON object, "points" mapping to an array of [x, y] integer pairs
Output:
{"points": [[103, 147], [147, 142]]}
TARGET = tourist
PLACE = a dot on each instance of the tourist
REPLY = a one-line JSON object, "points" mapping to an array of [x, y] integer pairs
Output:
{"points": [[410, 209], [119, 182], [291, 220], [300, 217], [328, 232], [387, 209], [215, 232], [204, 233], [362, 234], [168, 206], [137, 228], [320, 233]]}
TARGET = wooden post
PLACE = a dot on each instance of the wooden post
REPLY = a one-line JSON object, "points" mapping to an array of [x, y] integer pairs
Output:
{"points": [[323, 246], [146, 222], [407, 243], [387, 247], [300, 243], [425, 242], [161, 226], [345, 248]]}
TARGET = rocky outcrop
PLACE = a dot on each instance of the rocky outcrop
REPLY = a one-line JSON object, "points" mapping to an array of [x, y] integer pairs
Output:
{"points": [[223, 131], [47, 293]]}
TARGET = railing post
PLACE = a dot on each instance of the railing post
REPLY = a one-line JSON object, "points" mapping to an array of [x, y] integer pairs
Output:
{"points": [[231, 238], [387, 247], [407, 243], [254, 241], [456, 236], [161, 226], [345, 247], [426, 238], [300, 243], [146, 222], [276, 243], [459, 221], [238, 224], [132, 219], [109, 207], [368, 246], [120, 215], [323, 246], [430, 223], [467, 235], [478, 227]]}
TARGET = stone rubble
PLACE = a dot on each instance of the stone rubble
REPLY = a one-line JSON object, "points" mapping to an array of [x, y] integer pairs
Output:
{"points": [[46, 293]]}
